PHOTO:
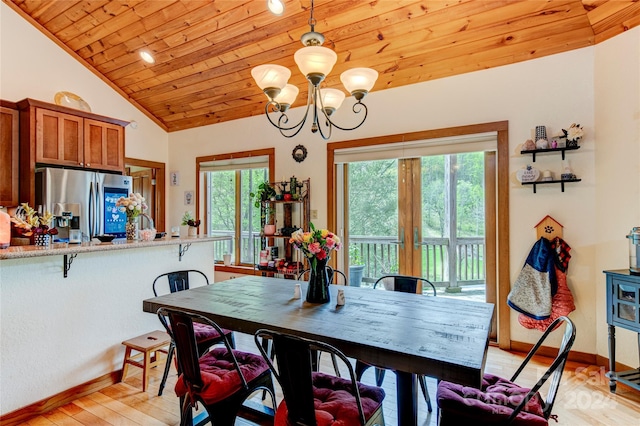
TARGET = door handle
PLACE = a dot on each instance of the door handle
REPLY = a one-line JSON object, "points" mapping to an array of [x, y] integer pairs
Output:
{"points": [[401, 242], [416, 243]]}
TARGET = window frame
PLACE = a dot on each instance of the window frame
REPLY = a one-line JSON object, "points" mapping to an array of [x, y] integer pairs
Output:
{"points": [[201, 184]]}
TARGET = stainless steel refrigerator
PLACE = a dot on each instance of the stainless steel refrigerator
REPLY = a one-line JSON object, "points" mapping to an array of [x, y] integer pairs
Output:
{"points": [[83, 202]]}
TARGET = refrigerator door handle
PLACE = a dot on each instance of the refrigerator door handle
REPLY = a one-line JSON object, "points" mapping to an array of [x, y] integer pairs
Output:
{"points": [[92, 211], [100, 214]]}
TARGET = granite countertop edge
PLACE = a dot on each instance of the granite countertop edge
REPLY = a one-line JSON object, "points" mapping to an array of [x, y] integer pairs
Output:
{"points": [[22, 252]]}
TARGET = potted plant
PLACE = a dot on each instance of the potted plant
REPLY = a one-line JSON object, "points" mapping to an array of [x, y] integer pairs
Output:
{"points": [[192, 223], [264, 193], [356, 265]]}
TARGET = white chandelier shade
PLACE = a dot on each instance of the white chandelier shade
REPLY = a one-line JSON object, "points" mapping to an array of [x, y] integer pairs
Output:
{"points": [[315, 60], [331, 100], [359, 79], [270, 76], [287, 96]]}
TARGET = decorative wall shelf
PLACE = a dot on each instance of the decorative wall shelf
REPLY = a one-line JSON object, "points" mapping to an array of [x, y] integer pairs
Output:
{"points": [[545, 182], [533, 152]]}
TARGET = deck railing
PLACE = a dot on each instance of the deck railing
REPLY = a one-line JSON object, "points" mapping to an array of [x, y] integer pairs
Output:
{"points": [[380, 256]]}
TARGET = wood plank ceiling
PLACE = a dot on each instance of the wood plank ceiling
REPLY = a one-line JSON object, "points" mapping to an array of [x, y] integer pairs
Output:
{"points": [[204, 49]]}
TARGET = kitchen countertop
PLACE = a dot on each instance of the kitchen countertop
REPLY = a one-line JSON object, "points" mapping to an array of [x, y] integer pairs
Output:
{"points": [[21, 252]]}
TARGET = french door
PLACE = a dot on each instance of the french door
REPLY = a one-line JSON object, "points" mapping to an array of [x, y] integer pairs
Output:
{"points": [[423, 216]]}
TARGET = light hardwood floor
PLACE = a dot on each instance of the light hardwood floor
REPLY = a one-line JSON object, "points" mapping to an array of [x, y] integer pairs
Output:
{"points": [[584, 397]]}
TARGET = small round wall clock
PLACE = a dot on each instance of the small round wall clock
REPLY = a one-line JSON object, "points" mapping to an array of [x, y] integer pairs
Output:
{"points": [[299, 153]]}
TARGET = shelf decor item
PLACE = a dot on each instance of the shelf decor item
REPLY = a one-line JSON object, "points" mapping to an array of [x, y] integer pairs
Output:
{"points": [[133, 206], [317, 246], [573, 134], [28, 223], [191, 222]]}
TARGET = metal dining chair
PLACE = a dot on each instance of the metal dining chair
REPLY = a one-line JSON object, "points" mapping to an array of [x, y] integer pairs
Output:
{"points": [[502, 401], [405, 284], [312, 397], [206, 336], [221, 380]]}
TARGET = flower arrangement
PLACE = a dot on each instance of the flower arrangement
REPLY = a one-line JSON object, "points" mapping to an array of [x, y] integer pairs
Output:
{"points": [[189, 220], [574, 133], [316, 244], [132, 205], [32, 223]]}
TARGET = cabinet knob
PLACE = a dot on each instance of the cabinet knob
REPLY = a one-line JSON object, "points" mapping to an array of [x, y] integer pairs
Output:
{"points": [[88, 164], [82, 164]]}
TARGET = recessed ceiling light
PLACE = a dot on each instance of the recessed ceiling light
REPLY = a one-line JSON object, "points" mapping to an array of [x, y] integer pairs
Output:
{"points": [[147, 57], [276, 6]]}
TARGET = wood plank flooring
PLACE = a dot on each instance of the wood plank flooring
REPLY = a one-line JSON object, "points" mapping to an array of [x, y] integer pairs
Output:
{"points": [[584, 397]]}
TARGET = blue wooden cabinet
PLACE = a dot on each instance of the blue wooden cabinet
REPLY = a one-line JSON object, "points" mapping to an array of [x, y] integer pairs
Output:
{"points": [[623, 310]]}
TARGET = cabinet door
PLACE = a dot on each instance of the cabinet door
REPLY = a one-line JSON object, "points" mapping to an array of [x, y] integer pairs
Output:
{"points": [[58, 138], [103, 145], [9, 140]]}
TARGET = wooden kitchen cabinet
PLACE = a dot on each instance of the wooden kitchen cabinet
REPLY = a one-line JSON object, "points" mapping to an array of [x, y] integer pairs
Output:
{"points": [[103, 145], [9, 145], [53, 135], [59, 138]]}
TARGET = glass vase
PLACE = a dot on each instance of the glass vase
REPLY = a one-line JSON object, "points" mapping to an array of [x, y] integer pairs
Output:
{"points": [[318, 289], [131, 228]]}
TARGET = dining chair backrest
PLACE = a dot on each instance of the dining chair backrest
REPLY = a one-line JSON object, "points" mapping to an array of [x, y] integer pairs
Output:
{"points": [[180, 328], [294, 370], [178, 281], [555, 370], [407, 284]]}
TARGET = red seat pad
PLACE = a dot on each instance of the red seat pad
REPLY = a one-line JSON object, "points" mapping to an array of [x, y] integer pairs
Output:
{"points": [[204, 332], [334, 403], [492, 404], [219, 375]]}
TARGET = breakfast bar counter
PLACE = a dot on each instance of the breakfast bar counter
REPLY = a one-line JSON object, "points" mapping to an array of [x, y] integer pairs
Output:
{"points": [[20, 252], [60, 333]]}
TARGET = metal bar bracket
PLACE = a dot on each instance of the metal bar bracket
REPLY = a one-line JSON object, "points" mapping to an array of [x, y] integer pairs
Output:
{"points": [[67, 261], [182, 250]]}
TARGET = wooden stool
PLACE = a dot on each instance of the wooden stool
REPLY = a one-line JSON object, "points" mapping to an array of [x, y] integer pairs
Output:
{"points": [[155, 342]]}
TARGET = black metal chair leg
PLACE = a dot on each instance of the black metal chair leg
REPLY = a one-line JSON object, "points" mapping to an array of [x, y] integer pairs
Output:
{"points": [[167, 367], [361, 367], [425, 391], [379, 376]]}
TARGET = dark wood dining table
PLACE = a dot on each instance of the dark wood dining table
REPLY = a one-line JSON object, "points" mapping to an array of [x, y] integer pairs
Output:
{"points": [[445, 338]]}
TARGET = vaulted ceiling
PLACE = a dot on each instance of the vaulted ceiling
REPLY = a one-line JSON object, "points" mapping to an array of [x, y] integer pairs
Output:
{"points": [[205, 49]]}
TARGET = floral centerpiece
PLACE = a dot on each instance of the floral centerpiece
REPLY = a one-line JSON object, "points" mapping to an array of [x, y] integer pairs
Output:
{"points": [[573, 134], [132, 206], [317, 246], [33, 225]]}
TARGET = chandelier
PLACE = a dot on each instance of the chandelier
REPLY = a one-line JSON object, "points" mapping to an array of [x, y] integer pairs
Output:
{"points": [[315, 62]]}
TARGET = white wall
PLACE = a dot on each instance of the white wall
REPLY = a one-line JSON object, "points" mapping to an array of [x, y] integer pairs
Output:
{"points": [[32, 66], [617, 117]]}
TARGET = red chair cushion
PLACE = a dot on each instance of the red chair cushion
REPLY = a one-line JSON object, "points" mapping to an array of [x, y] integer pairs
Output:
{"points": [[205, 333], [334, 403], [219, 375], [492, 404]]}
